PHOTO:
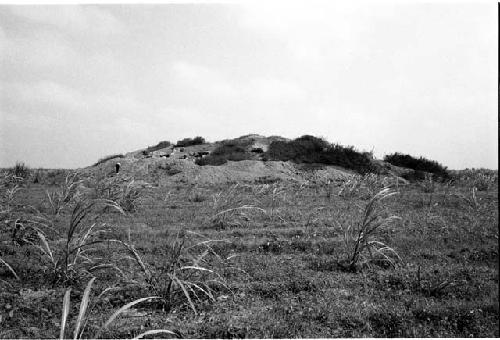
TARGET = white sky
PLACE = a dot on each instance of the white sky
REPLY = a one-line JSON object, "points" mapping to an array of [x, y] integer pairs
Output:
{"points": [[80, 82]]}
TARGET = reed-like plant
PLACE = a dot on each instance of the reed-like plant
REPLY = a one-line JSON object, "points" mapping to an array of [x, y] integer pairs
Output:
{"points": [[63, 195], [186, 276], [350, 187], [433, 285], [470, 199], [73, 253], [85, 311], [360, 240], [121, 190], [6, 203], [231, 208]]}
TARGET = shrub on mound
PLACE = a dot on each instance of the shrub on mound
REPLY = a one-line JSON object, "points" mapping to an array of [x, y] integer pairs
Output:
{"points": [[107, 158], [419, 165], [231, 150], [20, 170], [190, 141], [310, 149], [161, 145]]}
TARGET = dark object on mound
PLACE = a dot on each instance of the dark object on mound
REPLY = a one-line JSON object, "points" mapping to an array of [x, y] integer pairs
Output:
{"points": [[419, 165]]}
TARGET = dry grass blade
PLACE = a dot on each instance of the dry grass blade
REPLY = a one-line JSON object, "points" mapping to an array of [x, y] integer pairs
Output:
{"points": [[45, 246], [83, 307], [135, 255], [205, 291], [153, 332], [65, 312], [9, 268], [197, 268], [247, 207], [106, 266], [186, 293]]}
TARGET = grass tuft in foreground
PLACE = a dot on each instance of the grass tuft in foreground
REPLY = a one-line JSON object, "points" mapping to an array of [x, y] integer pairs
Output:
{"points": [[361, 244]]}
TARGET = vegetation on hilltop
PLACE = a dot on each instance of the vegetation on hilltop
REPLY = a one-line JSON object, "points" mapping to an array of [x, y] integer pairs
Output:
{"points": [[190, 141], [107, 158], [305, 149], [228, 150], [161, 145], [419, 165], [310, 149]]}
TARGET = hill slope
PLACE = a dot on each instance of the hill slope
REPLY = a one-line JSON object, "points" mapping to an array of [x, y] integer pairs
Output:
{"points": [[246, 158]]}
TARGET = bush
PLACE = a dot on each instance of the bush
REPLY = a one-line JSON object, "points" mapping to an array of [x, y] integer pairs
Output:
{"points": [[190, 141], [414, 175], [161, 145], [482, 179], [107, 158], [20, 171], [310, 149], [170, 170], [228, 151], [418, 164]]}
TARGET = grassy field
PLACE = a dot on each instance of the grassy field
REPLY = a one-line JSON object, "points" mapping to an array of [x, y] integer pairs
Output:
{"points": [[249, 260]]}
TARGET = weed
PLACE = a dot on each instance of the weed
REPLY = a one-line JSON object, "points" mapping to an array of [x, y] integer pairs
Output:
{"points": [[20, 171], [350, 187], [471, 201], [169, 169], [186, 276], [123, 191], [84, 315], [129, 196], [6, 204], [59, 198], [361, 238], [230, 209], [428, 185], [482, 179], [76, 255], [432, 286], [197, 197]]}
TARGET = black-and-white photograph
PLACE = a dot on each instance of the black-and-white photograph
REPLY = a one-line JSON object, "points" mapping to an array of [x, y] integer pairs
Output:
{"points": [[249, 169]]}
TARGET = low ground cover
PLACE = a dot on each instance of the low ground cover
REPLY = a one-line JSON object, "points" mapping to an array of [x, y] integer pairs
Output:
{"points": [[257, 260]]}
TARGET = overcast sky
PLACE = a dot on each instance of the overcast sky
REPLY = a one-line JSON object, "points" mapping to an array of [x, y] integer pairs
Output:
{"points": [[80, 82]]}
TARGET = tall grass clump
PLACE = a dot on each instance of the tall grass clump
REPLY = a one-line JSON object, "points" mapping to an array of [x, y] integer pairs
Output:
{"points": [[310, 149], [9, 190], [20, 171], [74, 252], [63, 195], [85, 311], [186, 276], [420, 164], [482, 179], [123, 191], [360, 240], [231, 208]]}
